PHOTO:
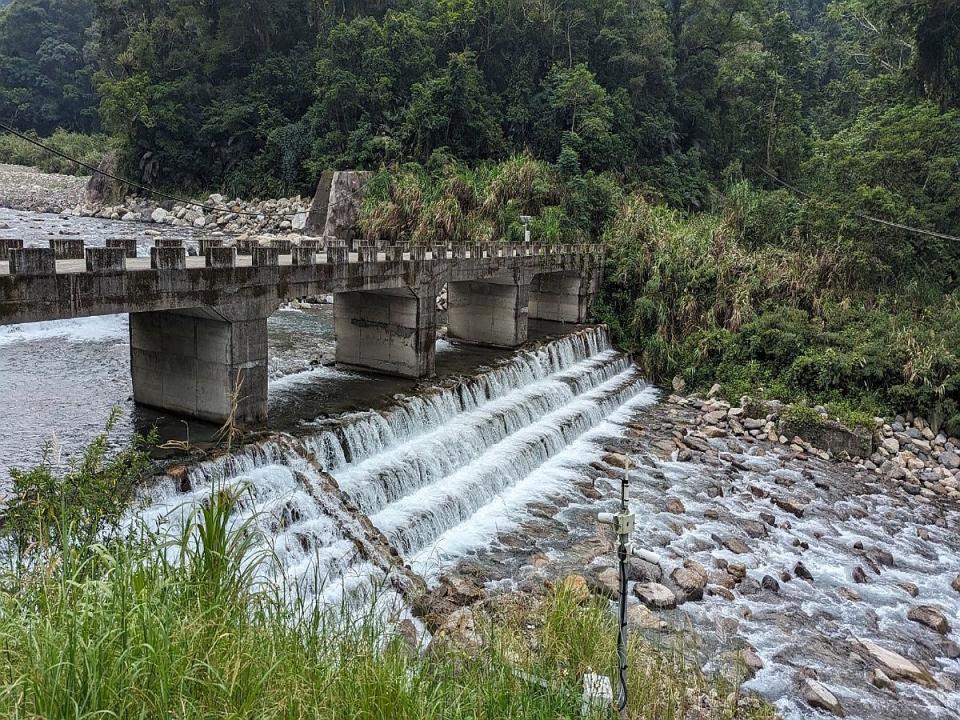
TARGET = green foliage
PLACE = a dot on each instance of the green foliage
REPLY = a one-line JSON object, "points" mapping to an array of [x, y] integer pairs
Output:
{"points": [[801, 419], [88, 148], [51, 510], [46, 66]]}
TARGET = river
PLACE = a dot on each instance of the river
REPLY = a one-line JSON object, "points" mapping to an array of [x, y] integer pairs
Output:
{"points": [[495, 470]]}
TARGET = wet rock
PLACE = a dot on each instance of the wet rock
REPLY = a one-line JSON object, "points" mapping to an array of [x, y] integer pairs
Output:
{"points": [[878, 678], [860, 575], [817, 695], [690, 580], [640, 570], [712, 431], [735, 545], [800, 570], [711, 515], [719, 591], [895, 665], [770, 583], [768, 518], [909, 588], [754, 529], [956, 583], [749, 586], [461, 591], [675, 506], [605, 582], [618, 460], [737, 570], [790, 505], [950, 649], [655, 595], [931, 617]]}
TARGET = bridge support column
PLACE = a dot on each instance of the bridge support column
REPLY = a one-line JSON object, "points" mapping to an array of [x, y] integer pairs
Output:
{"points": [[488, 312], [387, 331], [193, 362], [562, 296]]}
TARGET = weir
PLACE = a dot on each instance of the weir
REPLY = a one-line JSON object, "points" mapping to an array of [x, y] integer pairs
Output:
{"points": [[198, 324], [345, 507]]}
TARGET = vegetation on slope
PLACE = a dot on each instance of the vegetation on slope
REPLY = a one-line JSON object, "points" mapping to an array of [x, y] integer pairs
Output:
{"points": [[130, 626]]}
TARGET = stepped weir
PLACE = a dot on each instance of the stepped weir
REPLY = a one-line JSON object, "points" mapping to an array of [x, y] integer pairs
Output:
{"points": [[198, 325]]}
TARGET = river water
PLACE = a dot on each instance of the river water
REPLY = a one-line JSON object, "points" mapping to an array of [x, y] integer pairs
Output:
{"points": [[369, 484]]}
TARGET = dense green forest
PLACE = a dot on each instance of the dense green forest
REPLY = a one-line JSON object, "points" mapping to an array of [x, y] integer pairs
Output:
{"points": [[665, 127]]}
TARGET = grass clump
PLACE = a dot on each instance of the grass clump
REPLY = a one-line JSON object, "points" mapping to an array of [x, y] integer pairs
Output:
{"points": [[88, 148]]}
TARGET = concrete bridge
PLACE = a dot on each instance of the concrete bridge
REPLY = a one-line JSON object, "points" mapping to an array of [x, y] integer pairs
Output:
{"points": [[198, 324]]}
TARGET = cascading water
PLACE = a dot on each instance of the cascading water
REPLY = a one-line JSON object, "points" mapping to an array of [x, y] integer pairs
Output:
{"points": [[336, 505]]}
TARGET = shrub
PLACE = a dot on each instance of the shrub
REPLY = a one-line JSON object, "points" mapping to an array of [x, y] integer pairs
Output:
{"points": [[88, 148]]}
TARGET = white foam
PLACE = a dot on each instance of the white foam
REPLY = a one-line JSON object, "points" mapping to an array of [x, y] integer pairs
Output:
{"points": [[102, 328]]}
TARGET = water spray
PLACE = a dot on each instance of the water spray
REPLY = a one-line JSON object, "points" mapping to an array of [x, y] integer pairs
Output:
{"points": [[623, 523]]}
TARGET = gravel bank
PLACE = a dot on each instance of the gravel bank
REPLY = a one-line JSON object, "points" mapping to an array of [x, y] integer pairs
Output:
{"points": [[26, 188]]}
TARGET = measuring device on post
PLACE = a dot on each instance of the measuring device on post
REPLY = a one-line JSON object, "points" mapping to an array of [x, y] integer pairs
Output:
{"points": [[623, 524]]}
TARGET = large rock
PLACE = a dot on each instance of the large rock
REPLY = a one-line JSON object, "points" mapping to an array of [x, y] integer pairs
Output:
{"points": [[817, 695], [103, 190], [459, 632], [895, 665], [690, 580], [336, 204], [655, 595], [641, 618], [640, 570], [159, 215], [605, 582], [931, 617], [835, 437]]}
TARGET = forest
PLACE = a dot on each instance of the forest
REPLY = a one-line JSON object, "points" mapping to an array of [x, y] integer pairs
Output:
{"points": [[749, 164]]}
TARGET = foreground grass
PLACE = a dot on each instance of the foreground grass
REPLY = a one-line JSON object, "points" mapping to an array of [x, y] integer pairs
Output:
{"points": [[136, 627]]}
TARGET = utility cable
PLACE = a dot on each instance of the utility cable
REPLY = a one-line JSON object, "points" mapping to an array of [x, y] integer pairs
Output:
{"points": [[160, 193], [862, 216]]}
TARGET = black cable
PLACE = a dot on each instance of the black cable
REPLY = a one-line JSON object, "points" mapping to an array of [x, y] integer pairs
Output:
{"points": [[862, 216], [160, 193]]}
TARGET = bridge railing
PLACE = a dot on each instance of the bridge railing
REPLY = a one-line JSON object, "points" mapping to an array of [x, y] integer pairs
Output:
{"points": [[171, 253]]}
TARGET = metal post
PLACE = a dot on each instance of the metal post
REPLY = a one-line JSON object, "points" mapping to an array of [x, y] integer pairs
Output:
{"points": [[623, 523]]}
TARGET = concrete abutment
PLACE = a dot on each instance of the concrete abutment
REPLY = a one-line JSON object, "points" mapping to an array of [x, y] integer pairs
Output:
{"points": [[488, 312]]}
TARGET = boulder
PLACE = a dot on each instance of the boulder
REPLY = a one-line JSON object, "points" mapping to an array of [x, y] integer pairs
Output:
{"points": [[735, 545], [675, 506], [655, 595], [690, 582], [641, 618], [878, 678], [577, 586], [931, 617], [895, 665], [618, 460], [790, 505], [640, 570], [459, 632], [159, 215], [605, 582], [817, 695]]}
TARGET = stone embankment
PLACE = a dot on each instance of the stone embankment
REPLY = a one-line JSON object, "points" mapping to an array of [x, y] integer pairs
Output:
{"points": [[24, 188], [925, 463]]}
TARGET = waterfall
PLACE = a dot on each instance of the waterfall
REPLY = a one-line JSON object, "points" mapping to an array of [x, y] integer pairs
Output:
{"points": [[426, 480]]}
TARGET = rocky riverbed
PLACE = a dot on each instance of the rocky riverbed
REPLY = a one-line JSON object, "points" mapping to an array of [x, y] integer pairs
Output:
{"points": [[24, 188], [836, 586]]}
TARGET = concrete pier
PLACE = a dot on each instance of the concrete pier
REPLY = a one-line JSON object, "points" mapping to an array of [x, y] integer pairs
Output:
{"points": [[33, 261], [209, 363], [562, 296], [391, 331], [67, 248], [8, 244], [105, 259], [488, 312]]}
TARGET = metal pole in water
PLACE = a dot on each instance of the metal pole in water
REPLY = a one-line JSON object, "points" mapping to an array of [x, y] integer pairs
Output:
{"points": [[623, 523]]}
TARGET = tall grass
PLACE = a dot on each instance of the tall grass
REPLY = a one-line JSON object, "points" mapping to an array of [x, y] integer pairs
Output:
{"points": [[139, 627]]}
